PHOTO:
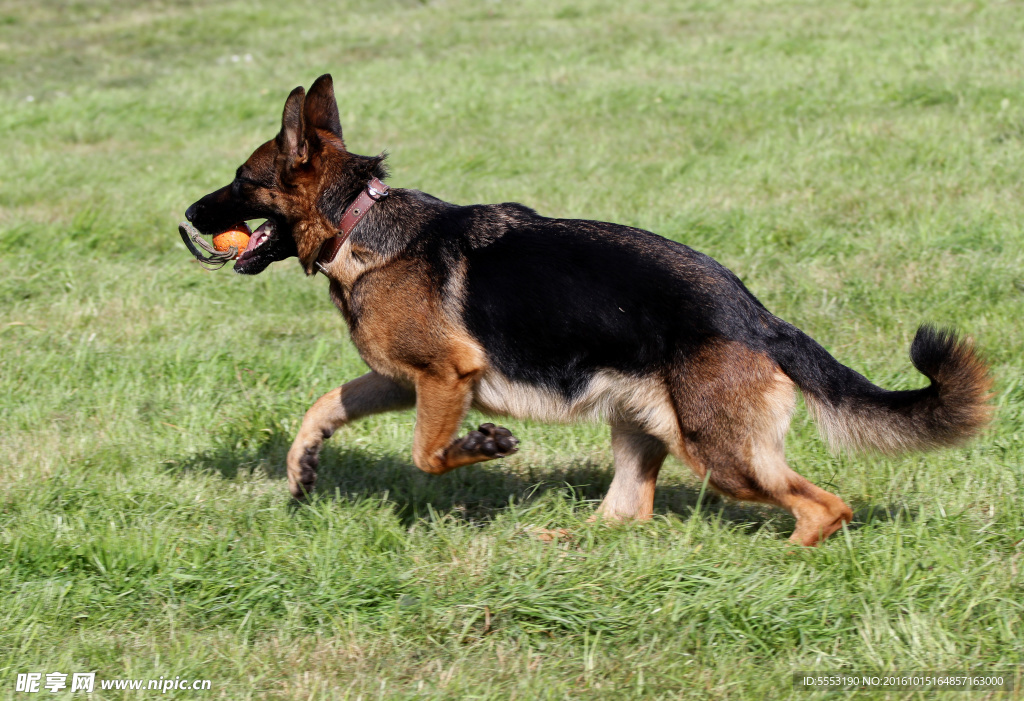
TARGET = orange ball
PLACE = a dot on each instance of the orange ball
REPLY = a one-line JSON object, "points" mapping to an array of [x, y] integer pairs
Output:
{"points": [[238, 236]]}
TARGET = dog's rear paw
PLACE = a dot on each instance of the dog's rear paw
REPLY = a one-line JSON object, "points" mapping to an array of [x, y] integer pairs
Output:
{"points": [[490, 441]]}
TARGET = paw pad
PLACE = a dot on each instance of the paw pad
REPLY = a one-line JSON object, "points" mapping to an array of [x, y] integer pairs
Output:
{"points": [[491, 441]]}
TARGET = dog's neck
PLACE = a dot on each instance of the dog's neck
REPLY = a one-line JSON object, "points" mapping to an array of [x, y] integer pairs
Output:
{"points": [[346, 185], [374, 191], [347, 175]]}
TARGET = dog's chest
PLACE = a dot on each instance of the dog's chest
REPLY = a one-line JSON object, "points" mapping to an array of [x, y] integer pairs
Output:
{"points": [[345, 272], [394, 317]]}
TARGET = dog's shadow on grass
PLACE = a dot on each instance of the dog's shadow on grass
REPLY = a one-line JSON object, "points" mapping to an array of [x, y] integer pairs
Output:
{"points": [[477, 493]]}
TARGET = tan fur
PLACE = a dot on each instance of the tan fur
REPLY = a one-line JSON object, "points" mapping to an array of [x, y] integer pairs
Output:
{"points": [[734, 408], [351, 263], [818, 513], [371, 393], [402, 327], [768, 435], [856, 431], [405, 331], [960, 411], [638, 459], [610, 395], [442, 399]]}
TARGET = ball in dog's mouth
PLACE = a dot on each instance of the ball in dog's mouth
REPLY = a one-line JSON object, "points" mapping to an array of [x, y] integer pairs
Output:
{"points": [[238, 236]]}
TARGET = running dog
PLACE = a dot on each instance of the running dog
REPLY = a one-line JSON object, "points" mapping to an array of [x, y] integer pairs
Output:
{"points": [[498, 308]]}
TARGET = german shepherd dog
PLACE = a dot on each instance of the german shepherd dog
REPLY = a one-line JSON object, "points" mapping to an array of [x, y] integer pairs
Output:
{"points": [[498, 308]]}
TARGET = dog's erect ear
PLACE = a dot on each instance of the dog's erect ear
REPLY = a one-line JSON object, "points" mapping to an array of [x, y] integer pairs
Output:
{"points": [[292, 139], [320, 110]]}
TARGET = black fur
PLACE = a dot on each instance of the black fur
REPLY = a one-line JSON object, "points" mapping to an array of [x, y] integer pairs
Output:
{"points": [[558, 300]]}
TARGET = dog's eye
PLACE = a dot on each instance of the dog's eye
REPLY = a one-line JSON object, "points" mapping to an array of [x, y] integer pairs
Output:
{"points": [[244, 184]]}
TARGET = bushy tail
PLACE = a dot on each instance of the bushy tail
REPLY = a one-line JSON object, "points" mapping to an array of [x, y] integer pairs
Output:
{"points": [[854, 414]]}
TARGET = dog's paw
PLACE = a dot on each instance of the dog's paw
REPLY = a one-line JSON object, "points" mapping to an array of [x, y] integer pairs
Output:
{"points": [[302, 472], [490, 441]]}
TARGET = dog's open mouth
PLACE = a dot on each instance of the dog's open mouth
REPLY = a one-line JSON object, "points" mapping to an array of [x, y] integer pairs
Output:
{"points": [[265, 246], [263, 235]]}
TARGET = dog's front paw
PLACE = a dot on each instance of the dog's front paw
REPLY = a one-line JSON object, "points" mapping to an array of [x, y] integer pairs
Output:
{"points": [[302, 464], [490, 441]]}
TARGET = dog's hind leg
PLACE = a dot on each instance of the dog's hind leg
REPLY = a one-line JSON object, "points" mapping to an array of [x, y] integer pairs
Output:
{"points": [[734, 410], [369, 394], [638, 458], [756, 470]]}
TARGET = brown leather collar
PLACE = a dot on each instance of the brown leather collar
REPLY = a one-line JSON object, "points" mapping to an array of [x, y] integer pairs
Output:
{"points": [[375, 190]]}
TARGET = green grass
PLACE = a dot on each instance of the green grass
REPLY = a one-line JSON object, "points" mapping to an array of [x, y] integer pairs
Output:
{"points": [[859, 164]]}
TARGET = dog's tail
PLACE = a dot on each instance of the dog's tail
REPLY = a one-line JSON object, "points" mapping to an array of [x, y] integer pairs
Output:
{"points": [[854, 414]]}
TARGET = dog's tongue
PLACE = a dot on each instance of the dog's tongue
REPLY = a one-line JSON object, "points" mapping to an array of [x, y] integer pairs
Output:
{"points": [[262, 233]]}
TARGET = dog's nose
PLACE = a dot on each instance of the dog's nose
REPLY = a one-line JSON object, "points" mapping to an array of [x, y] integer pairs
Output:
{"points": [[190, 213]]}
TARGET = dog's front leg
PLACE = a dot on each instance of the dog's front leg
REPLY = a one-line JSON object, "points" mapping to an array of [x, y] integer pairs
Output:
{"points": [[369, 394], [442, 399]]}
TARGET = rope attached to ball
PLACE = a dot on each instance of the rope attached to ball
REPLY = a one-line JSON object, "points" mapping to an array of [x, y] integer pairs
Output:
{"points": [[192, 238]]}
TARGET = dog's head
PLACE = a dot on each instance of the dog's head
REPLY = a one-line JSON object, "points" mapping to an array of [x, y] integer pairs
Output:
{"points": [[297, 181]]}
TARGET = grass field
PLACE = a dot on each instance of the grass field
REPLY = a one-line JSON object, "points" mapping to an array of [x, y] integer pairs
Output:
{"points": [[859, 164]]}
